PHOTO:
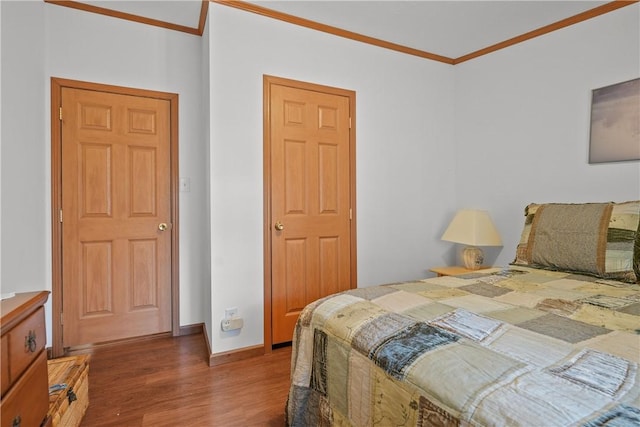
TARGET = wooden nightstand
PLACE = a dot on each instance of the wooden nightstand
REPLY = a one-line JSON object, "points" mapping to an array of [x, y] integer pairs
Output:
{"points": [[454, 271]]}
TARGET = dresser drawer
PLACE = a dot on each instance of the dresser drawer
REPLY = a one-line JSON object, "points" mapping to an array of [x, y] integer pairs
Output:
{"points": [[28, 400], [26, 341], [4, 366]]}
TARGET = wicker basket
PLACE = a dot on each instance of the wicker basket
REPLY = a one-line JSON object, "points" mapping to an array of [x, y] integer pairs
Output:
{"points": [[68, 404]]}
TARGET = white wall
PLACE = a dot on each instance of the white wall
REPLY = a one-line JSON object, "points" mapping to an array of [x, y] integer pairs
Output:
{"points": [[522, 122], [0, 149], [404, 117], [42, 40], [25, 214]]}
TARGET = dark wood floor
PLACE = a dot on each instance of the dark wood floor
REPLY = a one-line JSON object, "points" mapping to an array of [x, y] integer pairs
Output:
{"points": [[167, 382]]}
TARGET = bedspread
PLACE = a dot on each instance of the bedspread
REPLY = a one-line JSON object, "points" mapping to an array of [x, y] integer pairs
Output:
{"points": [[500, 347]]}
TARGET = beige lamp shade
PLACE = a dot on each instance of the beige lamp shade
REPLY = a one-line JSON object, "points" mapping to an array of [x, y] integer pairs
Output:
{"points": [[474, 228]]}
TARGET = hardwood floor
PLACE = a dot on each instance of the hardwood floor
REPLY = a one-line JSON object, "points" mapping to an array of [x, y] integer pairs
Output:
{"points": [[167, 382]]}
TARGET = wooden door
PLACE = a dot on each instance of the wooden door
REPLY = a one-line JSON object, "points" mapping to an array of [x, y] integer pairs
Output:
{"points": [[310, 203], [116, 216]]}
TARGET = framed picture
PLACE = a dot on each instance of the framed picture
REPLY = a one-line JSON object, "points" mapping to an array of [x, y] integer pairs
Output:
{"points": [[615, 123]]}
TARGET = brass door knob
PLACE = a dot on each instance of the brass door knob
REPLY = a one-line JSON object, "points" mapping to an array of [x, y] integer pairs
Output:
{"points": [[279, 226], [162, 226]]}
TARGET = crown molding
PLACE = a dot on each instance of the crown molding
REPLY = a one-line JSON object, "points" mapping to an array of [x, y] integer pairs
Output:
{"points": [[270, 13], [281, 16], [591, 13], [307, 23], [137, 18]]}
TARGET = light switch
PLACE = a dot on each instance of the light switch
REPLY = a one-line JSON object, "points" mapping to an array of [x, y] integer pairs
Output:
{"points": [[185, 184]]}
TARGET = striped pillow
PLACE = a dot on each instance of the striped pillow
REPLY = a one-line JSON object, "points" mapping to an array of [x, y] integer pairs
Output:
{"points": [[599, 239]]}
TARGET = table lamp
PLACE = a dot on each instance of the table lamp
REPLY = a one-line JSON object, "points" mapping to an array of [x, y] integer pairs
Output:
{"points": [[473, 228]]}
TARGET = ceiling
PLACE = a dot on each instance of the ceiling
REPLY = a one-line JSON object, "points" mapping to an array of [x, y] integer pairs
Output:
{"points": [[451, 29]]}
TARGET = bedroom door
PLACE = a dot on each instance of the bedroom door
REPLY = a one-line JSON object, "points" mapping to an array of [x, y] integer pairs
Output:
{"points": [[311, 227], [116, 216]]}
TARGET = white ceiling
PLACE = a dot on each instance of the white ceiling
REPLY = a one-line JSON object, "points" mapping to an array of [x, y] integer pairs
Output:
{"points": [[450, 28]]}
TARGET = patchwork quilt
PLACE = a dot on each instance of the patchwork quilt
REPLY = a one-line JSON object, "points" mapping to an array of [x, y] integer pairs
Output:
{"points": [[502, 347]]}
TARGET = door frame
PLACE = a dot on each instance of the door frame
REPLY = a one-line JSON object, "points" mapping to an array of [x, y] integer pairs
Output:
{"points": [[57, 84], [268, 81]]}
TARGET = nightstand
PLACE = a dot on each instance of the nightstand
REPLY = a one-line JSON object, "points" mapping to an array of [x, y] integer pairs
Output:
{"points": [[455, 270]]}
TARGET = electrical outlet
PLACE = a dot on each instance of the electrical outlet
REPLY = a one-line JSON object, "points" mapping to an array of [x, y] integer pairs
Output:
{"points": [[231, 312]]}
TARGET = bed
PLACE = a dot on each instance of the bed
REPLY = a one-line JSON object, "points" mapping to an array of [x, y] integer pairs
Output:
{"points": [[551, 340]]}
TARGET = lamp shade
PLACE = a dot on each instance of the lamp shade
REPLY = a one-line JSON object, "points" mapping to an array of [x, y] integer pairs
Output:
{"points": [[472, 227]]}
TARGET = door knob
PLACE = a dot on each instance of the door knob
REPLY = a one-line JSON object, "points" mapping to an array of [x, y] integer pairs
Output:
{"points": [[162, 226], [279, 226]]}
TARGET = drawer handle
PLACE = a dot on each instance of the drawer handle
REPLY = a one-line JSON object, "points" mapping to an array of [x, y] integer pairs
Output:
{"points": [[16, 421], [30, 342], [71, 395]]}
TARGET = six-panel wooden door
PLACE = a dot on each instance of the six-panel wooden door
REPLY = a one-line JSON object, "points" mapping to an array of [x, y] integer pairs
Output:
{"points": [[310, 201], [116, 213]]}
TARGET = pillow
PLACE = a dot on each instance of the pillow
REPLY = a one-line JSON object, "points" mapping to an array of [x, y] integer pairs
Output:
{"points": [[598, 239]]}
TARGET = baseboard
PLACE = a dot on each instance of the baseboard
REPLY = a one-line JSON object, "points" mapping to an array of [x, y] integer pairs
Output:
{"points": [[218, 359], [235, 355], [205, 335], [197, 328]]}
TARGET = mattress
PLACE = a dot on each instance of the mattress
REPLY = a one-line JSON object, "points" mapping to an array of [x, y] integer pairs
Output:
{"points": [[517, 346]]}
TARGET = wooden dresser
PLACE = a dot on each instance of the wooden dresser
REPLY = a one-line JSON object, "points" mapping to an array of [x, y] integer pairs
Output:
{"points": [[23, 372]]}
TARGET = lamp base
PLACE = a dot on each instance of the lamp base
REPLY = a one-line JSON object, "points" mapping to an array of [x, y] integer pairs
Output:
{"points": [[473, 257]]}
